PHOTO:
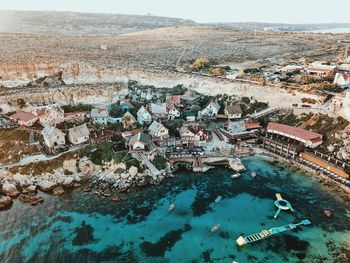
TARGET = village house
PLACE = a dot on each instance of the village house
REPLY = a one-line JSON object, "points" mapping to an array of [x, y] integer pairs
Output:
{"points": [[173, 112], [159, 111], [189, 97], [53, 137], [174, 100], [99, 116], [126, 105], [193, 136], [78, 134], [210, 110], [342, 79], [139, 142], [76, 116], [190, 116], [159, 133], [24, 118], [233, 111], [129, 121], [49, 115], [143, 116], [320, 69], [290, 69]]}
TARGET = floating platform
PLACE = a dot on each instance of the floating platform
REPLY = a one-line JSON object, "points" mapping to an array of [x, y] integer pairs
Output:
{"points": [[241, 241]]}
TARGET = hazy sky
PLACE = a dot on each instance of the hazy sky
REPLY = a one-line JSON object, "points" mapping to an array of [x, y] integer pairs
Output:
{"points": [[282, 11]]}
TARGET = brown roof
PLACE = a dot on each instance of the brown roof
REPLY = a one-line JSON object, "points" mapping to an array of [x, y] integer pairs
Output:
{"points": [[252, 125], [294, 131], [234, 108], [23, 116]]}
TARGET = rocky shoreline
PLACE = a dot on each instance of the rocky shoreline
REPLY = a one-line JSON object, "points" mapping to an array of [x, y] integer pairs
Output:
{"points": [[108, 180]]}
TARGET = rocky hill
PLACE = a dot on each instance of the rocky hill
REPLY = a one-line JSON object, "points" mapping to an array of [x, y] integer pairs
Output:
{"points": [[69, 23]]}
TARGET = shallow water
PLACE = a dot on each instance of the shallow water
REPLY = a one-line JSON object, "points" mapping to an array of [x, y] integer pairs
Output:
{"points": [[81, 227]]}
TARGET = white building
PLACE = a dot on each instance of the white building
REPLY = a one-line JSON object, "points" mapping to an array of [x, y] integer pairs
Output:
{"points": [[99, 116], [78, 134], [342, 79], [173, 113], [143, 116], [159, 111], [53, 137], [210, 110], [233, 111], [49, 115], [138, 142], [159, 132]]}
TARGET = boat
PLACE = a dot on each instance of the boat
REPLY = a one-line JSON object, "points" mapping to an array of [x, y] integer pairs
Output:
{"points": [[171, 207], [235, 175], [241, 241], [218, 199], [215, 228], [253, 174]]}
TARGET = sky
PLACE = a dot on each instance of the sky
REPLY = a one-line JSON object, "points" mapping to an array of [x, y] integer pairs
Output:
{"points": [[274, 11]]}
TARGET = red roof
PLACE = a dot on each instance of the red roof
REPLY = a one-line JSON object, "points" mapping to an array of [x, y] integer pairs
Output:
{"points": [[294, 131], [127, 103], [252, 125], [345, 76], [23, 116]]}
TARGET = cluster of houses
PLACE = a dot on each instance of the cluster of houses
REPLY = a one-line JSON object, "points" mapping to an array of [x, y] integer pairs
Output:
{"points": [[341, 72], [151, 116]]}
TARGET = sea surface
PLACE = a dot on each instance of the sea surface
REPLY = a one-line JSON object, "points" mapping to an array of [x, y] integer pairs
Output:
{"points": [[81, 227], [331, 30]]}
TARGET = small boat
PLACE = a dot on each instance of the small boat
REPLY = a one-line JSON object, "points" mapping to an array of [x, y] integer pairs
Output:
{"points": [[235, 175], [253, 174], [218, 199], [171, 207], [214, 228]]}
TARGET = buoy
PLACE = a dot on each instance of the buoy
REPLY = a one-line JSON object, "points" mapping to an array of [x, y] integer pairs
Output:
{"points": [[327, 213]]}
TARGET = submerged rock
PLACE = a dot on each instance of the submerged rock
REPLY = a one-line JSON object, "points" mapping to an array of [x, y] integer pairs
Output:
{"points": [[5, 202], [33, 200], [58, 190]]}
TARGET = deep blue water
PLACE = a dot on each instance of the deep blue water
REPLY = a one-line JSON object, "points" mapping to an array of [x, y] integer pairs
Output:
{"points": [[80, 227]]}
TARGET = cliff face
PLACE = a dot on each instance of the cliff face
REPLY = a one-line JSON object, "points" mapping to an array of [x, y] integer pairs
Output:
{"points": [[15, 74], [89, 94], [82, 74]]}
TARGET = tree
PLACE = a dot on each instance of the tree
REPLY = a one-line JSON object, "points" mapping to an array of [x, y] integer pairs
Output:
{"points": [[200, 63]]}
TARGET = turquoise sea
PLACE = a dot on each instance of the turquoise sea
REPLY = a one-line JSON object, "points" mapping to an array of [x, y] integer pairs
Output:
{"points": [[81, 227]]}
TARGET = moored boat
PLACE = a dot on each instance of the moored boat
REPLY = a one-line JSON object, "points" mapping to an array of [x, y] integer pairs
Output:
{"points": [[171, 207], [236, 175], [253, 174], [215, 228], [218, 199]]}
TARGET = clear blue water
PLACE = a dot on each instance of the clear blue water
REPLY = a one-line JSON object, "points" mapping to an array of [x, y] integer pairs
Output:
{"points": [[80, 227]]}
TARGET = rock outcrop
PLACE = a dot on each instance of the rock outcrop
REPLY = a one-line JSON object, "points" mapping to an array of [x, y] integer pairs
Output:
{"points": [[10, 190], [5, 202]]}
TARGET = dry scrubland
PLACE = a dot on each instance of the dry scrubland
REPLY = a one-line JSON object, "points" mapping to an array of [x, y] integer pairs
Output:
{"points": [[161, 48]]}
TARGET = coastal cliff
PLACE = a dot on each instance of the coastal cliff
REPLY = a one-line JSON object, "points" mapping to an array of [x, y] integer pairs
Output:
{"points": [[83, 73]]}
